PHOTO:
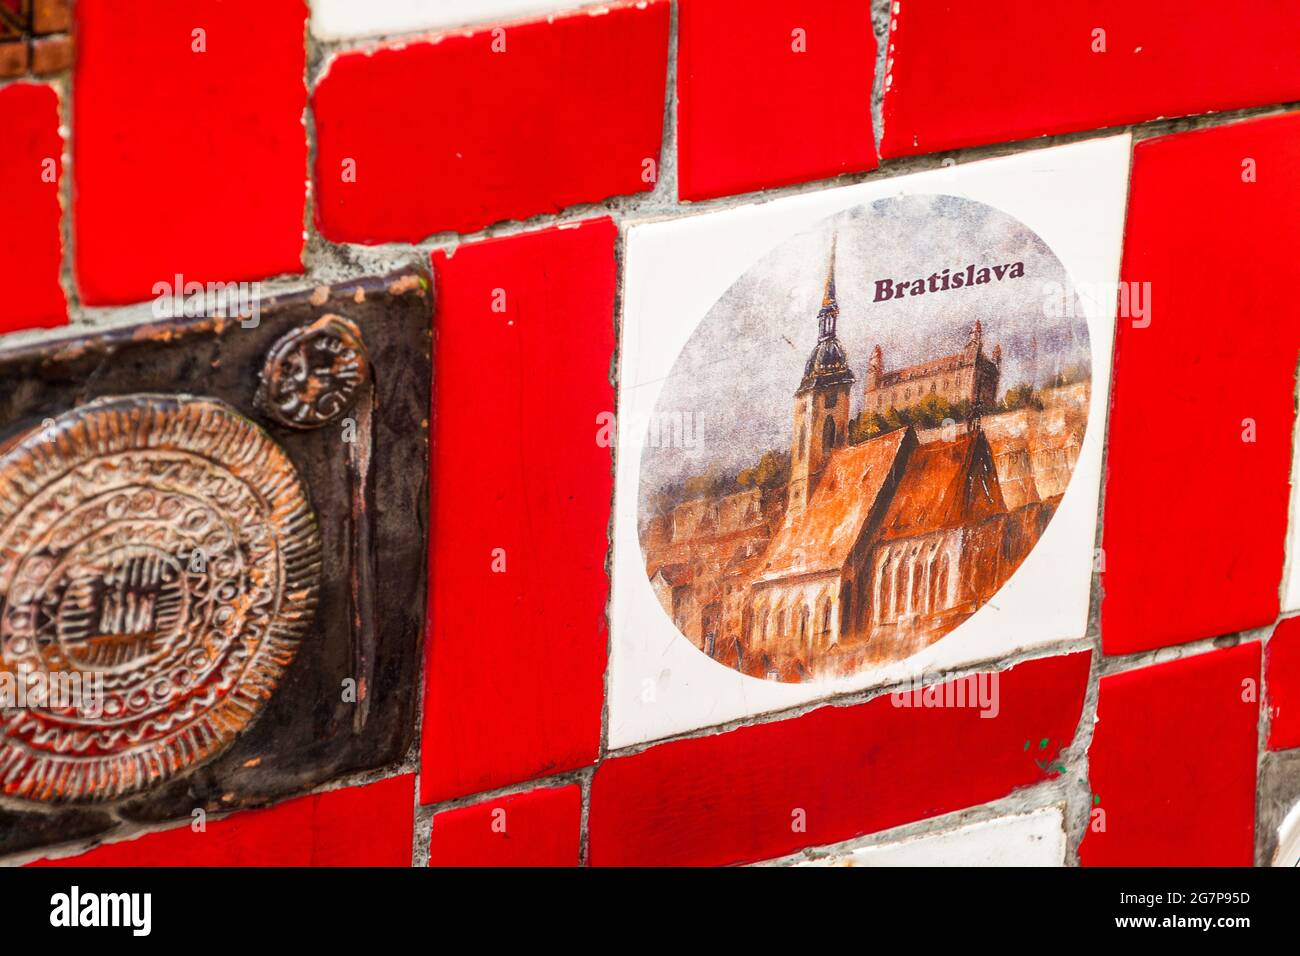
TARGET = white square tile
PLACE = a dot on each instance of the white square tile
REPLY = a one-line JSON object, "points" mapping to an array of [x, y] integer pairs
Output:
{"points": [[342, 19], [1288, 840], [752, 279], [1029, 839]]}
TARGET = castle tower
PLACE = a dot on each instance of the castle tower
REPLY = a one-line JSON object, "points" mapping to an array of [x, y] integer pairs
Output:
{"points": [[975, 344], [984, 372], [821, 405], [875, 369]]}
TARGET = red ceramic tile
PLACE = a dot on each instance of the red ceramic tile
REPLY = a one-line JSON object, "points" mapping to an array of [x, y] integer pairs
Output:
{"points": [[966, 72], [837, 772], [539, 828], [1172, 763], [31, 241], [187, 162], [804, 110], [1283, 678], [358, 826], [512, 122], [1214, 364], [516, 657]]}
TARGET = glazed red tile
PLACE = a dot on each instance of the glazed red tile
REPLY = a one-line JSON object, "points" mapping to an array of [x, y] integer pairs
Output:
{"points": [[31, 242], [967, 72], [185, 161], [507, 123], [1283, 680], [763, 791], [1203, 397], [804, 110], [538, 828], [521, 486], [1172, 763], [358, 826]]}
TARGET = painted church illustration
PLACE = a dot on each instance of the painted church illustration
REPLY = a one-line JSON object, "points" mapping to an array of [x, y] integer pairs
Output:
{"points": [[879, 548]]}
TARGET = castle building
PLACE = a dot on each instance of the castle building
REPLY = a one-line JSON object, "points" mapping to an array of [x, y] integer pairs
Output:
{"points": [[968, 376]]}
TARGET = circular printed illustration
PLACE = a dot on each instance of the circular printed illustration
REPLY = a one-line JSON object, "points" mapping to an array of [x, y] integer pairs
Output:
{"points": [[159, 564], [864, 438]]}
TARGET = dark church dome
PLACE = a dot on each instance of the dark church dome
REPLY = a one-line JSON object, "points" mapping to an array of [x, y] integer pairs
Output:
{"points": [[827, 365]]}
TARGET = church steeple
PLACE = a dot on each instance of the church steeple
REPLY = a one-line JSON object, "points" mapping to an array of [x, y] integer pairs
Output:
{"points": [[830, 310], [827, 365], [821, 405]]}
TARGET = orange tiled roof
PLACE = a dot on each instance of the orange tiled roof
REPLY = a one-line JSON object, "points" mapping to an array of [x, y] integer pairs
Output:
{"points": [[675, 575], [947, 484], [821, 538]]}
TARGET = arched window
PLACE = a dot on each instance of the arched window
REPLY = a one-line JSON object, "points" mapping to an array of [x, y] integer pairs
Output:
{"points": [[882, 587], [803, 439], [900, 587], [942, 601], [862, 600], [846, 608], [828, 433], [805, 638], [1010, 540], [762, 627], [918, 583], [826, 620], [780, 625], [932, 603]]}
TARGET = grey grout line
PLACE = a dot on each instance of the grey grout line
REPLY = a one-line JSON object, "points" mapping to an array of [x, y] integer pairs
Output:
{"points": [[880, 16]]}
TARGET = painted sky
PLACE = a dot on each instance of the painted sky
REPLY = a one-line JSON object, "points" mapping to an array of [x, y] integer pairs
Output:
{"points": [[738, 372]]}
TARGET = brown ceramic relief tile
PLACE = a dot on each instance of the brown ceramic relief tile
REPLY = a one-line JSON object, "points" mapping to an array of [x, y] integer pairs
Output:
{"points": [[22, 829], [13, 59], [51, 16], [188, 541], [51, 55]]}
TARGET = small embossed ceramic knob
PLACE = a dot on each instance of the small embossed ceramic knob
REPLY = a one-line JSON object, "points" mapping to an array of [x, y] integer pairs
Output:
{"points": [[313, 374]]}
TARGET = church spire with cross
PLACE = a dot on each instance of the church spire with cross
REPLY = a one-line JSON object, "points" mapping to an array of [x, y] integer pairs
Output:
{"points": [[830, 310], [828, 364]]}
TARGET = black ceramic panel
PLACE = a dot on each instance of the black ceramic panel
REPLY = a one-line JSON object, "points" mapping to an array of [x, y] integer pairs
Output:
{"points": [[224, 524]]}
